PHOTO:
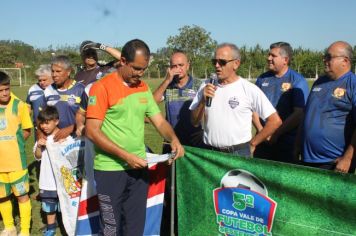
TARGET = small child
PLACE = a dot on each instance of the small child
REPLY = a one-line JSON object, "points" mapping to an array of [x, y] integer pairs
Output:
{"points": [[48, 120], [15, 128]]}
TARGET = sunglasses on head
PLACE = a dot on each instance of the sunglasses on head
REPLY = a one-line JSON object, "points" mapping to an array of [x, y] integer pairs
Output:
{"points": [[221, 62]]}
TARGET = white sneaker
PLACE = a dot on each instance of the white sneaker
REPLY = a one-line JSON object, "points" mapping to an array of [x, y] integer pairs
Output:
{"points": [[9, 232]]}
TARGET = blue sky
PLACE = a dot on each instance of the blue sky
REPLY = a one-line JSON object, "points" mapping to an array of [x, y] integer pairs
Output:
{"points": [[307, 23]]}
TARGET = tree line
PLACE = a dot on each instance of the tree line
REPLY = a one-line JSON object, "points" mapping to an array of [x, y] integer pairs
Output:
{"points": [[194, 40]]}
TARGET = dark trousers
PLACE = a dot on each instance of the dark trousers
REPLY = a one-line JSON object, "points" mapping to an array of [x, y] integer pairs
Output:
{"points": [[122, 200], [282, 152]]}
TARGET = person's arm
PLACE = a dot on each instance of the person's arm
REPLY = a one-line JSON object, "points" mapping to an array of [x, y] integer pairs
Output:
{"points": [[80, 122], [99, 46], [94, 133], [272, 123], [166, 131], [198, 113], [343, 163], [256, 122], [26, 133], [289, 124], [39, 147], [159, 92], [113, 52]]}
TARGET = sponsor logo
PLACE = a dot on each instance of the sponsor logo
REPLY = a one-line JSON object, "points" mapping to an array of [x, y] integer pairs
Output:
{"points": [[143, 100], [233, 102], [339, 93], [242, 205], [316, 89], [3, 123], [265, 84], [71, 100], [285, 87]]}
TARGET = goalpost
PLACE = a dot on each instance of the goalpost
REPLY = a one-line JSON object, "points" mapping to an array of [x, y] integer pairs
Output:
{"points": [[15, 75]]}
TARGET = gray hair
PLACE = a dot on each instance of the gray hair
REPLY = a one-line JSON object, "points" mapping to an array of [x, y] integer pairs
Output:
{"points": [[285, 49], [235, 50], [44, 70], [63, 61]]}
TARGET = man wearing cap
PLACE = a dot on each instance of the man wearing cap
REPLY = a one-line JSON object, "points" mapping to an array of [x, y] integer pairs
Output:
{"points": [[92, 70]]}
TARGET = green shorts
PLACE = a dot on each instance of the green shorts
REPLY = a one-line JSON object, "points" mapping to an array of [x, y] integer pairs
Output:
{"points": [[16, 182]]}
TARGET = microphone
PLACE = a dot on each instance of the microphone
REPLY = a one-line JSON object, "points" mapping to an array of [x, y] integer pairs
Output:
{"points": [[213, 80]]}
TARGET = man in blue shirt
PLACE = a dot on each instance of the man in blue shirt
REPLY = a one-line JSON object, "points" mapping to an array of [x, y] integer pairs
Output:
{"points": [[287, 90], [328, 132], [36, 91], [66, 95], [178, 90]]}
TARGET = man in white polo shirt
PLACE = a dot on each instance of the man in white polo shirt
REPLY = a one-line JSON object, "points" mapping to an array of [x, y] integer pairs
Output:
{"points": [[227, 122]]}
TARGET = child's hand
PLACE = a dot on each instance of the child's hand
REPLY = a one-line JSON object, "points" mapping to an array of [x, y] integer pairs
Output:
{"points": [[41, 142]]}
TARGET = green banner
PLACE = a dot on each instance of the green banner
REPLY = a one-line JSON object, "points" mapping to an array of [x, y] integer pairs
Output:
{"points": [[221, 194]]}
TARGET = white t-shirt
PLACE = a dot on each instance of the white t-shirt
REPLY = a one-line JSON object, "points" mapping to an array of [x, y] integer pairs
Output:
{"points": [[47, 180], [229, 119]]}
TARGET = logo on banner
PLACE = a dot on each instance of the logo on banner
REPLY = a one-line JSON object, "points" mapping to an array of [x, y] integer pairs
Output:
{"points": [[242, 205]]}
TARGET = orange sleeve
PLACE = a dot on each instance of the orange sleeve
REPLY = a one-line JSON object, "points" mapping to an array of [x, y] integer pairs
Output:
{"points": [[98, 102]]}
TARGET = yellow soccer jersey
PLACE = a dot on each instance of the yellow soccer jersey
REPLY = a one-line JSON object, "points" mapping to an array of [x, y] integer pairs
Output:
{"points": [[13, 119]]}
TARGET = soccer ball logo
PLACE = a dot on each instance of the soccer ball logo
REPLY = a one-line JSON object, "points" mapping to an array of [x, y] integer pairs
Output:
{"points": [[243, 179]]}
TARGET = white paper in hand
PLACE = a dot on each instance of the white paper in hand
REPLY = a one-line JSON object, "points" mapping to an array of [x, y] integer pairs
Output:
{"points": [[156, 158]]}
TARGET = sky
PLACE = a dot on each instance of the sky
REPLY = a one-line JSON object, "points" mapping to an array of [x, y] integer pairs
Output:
{"points": [[310, 24]]}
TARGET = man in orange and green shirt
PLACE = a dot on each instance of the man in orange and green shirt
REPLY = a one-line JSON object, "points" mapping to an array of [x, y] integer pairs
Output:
{"points": [[118, 104]]}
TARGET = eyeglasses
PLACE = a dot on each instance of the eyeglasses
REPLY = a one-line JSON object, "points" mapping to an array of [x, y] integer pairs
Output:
{"points": [[329, 57], [221, 62]]}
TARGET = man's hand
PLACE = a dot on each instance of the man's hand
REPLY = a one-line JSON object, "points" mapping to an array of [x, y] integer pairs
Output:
{"points": [[80, 130], [63, 133], [342, 164], [90, 44], [252, 149], [209, 91], [136, 162], [170, 74], [177, 148]]}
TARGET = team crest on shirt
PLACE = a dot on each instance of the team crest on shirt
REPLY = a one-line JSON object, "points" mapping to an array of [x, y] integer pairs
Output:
{"points": [[339, 93], [233, 102], [71, 100], [285, 87], [3, 123]]}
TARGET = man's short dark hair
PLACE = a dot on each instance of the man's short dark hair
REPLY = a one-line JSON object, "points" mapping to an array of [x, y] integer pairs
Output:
{"points": [[47, 114], [4, 78], [285, 49], [131, 47]]}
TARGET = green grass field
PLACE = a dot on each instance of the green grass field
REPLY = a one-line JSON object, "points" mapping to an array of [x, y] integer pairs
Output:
{"points": [[152, 139]]}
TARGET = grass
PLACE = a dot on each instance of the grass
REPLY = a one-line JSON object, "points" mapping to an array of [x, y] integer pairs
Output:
{"points": [[152, 139]]}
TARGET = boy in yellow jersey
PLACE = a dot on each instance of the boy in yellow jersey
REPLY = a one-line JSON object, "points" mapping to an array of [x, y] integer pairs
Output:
{"points": [[15, 128]]}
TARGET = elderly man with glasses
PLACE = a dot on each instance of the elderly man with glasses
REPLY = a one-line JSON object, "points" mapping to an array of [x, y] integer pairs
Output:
{"points": [[227, 122], [328, 131]]}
